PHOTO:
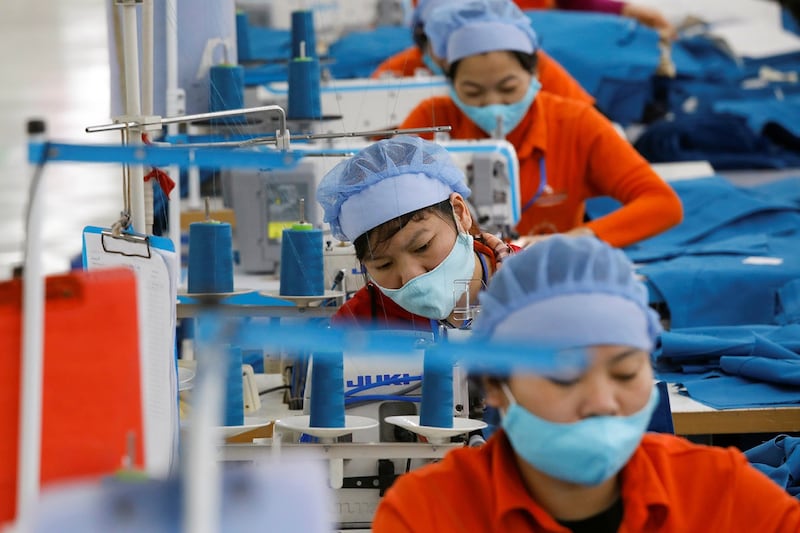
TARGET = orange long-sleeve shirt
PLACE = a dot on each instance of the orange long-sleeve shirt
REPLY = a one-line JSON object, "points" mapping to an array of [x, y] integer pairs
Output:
{"points": [[584, 157], [553, 77], [668, 486]]}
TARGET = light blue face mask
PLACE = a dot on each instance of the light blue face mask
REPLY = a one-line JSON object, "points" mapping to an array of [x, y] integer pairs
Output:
{"points": [[587, 452], [486, 117], [432, 65], [434, 294]]}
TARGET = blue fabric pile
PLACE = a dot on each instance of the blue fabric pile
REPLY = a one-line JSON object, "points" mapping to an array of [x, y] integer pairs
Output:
{"points": [[733, 112], [612, 57], [760, 363], [779, 459], [729, 275]]}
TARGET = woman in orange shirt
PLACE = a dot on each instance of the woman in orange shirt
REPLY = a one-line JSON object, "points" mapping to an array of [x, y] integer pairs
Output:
{"points": [[572, 454], [553, 76], [568, 152]]}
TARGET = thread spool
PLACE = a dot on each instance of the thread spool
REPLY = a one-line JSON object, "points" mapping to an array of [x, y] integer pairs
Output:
{"points": [[303, 32], [210, 257], [327, 391], [242, 37], [234, 393], [436, 406], [304, 87], [226, 91], [302, 264]]}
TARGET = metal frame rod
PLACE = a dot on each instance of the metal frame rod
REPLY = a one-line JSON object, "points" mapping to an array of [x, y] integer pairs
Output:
{"points": [[257, 141], [194, 118]]}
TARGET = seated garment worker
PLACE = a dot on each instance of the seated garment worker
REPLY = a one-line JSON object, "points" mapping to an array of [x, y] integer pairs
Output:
{"points": [[572, 454], [553, 77], [568, 152], [401, 202]]}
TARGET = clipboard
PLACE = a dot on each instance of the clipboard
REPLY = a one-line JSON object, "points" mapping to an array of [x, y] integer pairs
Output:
{"points": [[91, 400], [155, 265]]}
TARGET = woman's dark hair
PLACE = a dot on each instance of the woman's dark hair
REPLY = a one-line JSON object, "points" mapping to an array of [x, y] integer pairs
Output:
{"points": [[527, 61], [380, 234], [420, 38]]}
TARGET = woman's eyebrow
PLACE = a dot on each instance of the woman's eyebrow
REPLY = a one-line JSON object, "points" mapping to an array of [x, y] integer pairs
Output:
{"points": [[622, 355]]}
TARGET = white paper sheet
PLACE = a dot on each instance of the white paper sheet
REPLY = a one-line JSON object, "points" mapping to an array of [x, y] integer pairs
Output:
{"points": [[156, 289]]}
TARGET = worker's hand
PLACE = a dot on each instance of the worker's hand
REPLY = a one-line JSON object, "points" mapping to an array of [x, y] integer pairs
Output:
{"points": [[652, 18], [500, 248], [529, 240]]}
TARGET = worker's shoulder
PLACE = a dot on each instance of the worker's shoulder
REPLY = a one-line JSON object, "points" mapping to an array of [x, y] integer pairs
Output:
{"points": [[663, 448], [355, 308], [457, 467], [565, 108]]}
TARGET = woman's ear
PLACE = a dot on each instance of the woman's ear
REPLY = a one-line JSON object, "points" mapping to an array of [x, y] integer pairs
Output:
{"points": [[495, 397], [461, 211]]}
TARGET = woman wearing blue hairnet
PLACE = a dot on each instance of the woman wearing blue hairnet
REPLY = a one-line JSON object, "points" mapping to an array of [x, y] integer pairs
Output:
{"points": [[568, 152], [553, 76], [401, 202], [572, 454]]}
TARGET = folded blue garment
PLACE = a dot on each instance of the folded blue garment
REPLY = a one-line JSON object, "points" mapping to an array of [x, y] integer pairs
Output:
{"points": [[692, 348], [702, 57], [789, 22], [709, 205], [734, 392], [779, 459], [788, 304], [786, 190], [726, 290], [724, 140], [747, 245], [739, 366], [784, 372], [784, 112]]}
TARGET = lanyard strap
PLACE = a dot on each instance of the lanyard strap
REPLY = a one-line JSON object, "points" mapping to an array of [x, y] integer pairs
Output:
{"points": [[542, 185]]}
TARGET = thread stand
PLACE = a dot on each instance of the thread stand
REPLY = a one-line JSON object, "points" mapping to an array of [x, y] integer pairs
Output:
{"points": [[327, 436], [436, 435]]}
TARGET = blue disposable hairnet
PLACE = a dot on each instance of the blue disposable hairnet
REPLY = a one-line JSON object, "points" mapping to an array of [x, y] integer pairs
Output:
{"points": [[458, 29], [385, 180], [569, 292], [424, 8]]}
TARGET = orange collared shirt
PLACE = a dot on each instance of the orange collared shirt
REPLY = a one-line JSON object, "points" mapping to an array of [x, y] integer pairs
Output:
{"points": [[525, 4], [669, 485], [553, 77], [584, 157]]}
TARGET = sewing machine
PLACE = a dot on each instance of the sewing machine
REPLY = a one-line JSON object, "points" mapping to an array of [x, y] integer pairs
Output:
{"points": [[361, 104]]}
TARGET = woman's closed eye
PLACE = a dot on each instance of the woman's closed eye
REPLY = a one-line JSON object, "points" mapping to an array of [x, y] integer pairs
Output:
{"points": [[423, 248], [382, 265]]}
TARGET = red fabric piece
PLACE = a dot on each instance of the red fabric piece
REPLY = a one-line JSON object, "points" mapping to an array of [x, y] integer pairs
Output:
{"points": [[164, 181]]}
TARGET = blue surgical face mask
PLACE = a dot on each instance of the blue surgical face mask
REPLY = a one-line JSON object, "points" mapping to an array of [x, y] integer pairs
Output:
{"points": [[434, 294], [587, 452], [432, 65], [486, 117]]}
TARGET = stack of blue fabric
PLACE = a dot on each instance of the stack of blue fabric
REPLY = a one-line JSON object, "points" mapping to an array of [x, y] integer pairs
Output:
{"points": [[733, 366], [614, 58], [729, 275], [779, 459], [720, 108]]}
